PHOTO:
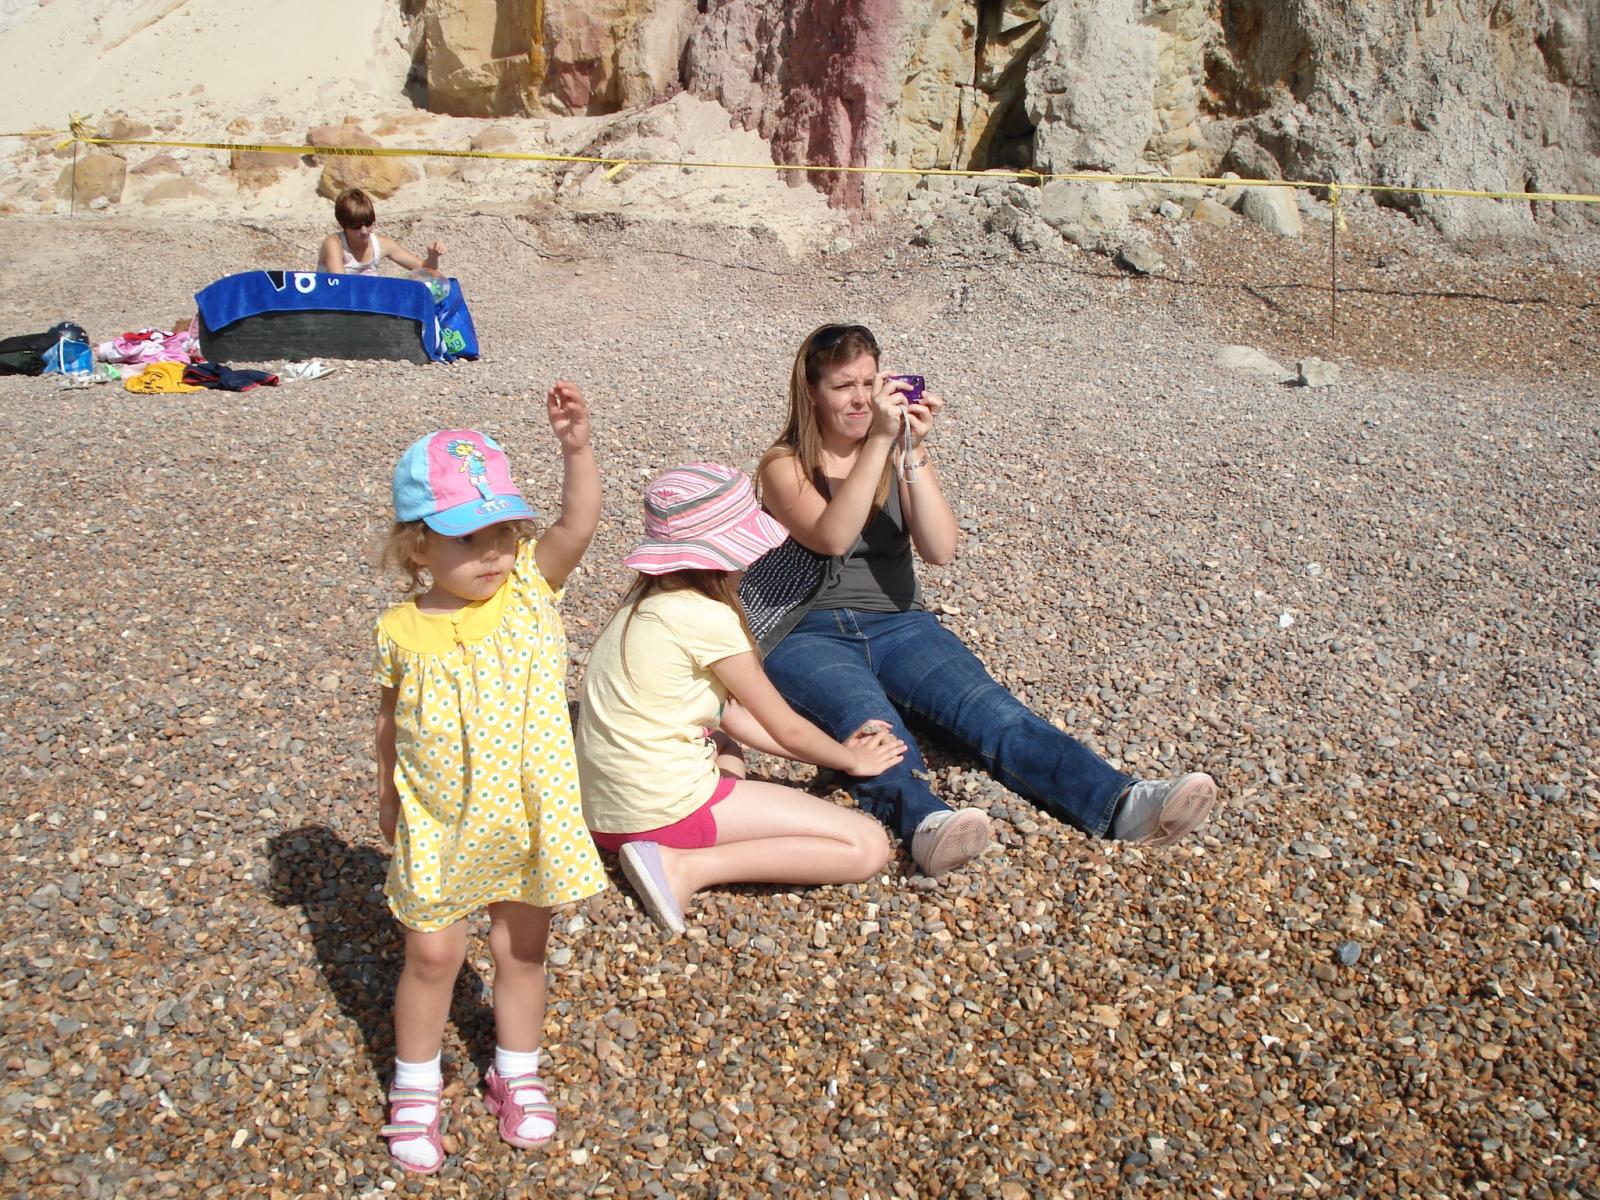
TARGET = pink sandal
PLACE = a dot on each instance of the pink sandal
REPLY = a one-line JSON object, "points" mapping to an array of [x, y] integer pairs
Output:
{"points": [[500, 1096], [397, 1130]]}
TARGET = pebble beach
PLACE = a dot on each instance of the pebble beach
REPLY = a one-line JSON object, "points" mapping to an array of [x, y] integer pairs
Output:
{"points": [[1368, 609]]}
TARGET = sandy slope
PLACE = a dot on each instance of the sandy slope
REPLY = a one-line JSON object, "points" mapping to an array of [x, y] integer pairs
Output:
{"points": [[149, 57]]}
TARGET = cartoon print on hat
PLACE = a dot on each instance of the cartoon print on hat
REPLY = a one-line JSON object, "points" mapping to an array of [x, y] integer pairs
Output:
{"points": [[458, 481], [472, 463]]}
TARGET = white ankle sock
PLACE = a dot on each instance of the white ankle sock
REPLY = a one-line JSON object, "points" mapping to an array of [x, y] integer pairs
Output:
{"points": [[508, 1064], [427, 1075]]}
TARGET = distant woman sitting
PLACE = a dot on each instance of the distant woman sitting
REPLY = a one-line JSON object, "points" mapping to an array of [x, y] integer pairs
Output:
{"points": [[357, 248]]}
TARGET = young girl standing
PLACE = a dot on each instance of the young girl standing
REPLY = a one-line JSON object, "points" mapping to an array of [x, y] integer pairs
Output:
{"points": [[657, 734], [477, 787]]}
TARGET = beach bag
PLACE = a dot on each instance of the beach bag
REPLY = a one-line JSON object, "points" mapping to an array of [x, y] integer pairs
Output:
{"points": [[25, 353], [778, 588], [71, 354]]}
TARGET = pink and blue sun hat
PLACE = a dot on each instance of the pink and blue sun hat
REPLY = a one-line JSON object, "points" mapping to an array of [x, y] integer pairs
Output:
{"points": [[458, 481], [702, 516]]}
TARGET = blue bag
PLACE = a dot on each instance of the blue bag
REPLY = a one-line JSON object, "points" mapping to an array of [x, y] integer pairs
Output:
{"points": [[71, 355]]}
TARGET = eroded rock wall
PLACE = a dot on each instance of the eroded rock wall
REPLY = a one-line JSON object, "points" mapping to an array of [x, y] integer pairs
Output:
{"points": [[813, 78], [1490, 94], [487, 58], [1498, 95]]}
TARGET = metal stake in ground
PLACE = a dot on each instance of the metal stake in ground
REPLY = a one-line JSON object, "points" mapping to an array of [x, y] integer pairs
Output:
{"points": [[1333, 257]]}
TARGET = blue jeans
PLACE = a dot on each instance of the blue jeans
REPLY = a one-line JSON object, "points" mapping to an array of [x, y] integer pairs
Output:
{"points": [[843, 667]]}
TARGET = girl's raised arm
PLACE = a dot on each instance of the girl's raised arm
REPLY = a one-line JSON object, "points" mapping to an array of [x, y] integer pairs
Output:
{"points": [[565, 541], [408, 261]]}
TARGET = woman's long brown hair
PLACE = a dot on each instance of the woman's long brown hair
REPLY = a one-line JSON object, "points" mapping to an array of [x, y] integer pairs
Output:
{"points": [[825, 346]]}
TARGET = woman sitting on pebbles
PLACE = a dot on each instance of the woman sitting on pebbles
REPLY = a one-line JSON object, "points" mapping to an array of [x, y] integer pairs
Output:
{"points": [[853, 479]]}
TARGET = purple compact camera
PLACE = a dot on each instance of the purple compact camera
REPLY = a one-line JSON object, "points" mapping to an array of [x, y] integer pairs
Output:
{"points": [[913, 394]]}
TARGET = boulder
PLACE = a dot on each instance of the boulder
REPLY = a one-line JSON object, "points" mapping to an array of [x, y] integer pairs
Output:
{"points": [[1209, 212], [1250, 361], [100, 174], [380, 178], [1091, 215], [495, 137], [120, 125], [158, 164], [1313, 372], [254, 170], [1273, 208], [1138, 259]]}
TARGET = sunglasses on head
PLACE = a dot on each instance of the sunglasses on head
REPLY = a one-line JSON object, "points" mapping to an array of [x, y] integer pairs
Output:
{"points": [[829, 336]]}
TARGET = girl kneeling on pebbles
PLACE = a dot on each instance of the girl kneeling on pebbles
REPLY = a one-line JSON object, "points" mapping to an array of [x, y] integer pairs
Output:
{"points": [[663, 780], [477, 787]]}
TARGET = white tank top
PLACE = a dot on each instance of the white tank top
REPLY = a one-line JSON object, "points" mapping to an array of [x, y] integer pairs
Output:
{"points": [[370, 267]]}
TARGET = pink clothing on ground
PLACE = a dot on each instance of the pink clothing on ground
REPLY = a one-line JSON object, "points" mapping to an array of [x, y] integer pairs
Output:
{"points": [[151, 345]]}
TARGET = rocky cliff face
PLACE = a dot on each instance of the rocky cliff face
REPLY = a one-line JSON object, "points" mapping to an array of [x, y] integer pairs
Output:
{"points": [[1491, 94], [485, 58]]}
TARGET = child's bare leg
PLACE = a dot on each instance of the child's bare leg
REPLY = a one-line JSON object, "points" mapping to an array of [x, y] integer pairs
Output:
{"points": [[421, 1004], [767, 833], [422, 997], [518, 936]]}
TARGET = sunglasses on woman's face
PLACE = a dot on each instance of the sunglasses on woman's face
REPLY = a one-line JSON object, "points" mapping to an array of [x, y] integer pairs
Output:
{"points": [[829, 336]]}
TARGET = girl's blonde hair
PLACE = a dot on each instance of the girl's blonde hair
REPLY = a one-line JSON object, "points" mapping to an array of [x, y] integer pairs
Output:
{"points": [[408, 541], [825, 346]]}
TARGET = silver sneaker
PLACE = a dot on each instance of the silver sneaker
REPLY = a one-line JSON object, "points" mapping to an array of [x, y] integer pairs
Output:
{"points": [[947, 840], [1158, 812]]}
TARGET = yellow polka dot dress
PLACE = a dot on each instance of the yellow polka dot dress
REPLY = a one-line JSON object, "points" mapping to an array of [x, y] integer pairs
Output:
{"points": [[489, 804]]}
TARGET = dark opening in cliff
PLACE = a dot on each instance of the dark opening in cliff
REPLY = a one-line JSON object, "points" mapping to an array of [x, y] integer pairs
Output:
{"points": [[1006, 39]]}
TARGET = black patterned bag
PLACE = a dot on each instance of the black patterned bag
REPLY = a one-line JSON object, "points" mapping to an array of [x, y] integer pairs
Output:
{"points": [[778, 588]]}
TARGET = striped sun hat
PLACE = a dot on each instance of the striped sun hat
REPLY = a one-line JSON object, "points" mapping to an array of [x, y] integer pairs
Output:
{"points": [[702, 516]]}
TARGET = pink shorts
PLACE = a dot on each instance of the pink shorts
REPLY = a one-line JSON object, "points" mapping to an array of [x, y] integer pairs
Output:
{"points": [[694, 832]]}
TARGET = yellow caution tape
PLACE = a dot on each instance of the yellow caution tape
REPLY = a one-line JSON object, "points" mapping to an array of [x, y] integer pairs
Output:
{"points": [[27, 133], [614, 166]]}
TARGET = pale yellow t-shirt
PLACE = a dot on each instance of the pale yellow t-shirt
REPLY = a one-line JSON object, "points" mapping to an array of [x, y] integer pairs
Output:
{"points": [[643, 756]]}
